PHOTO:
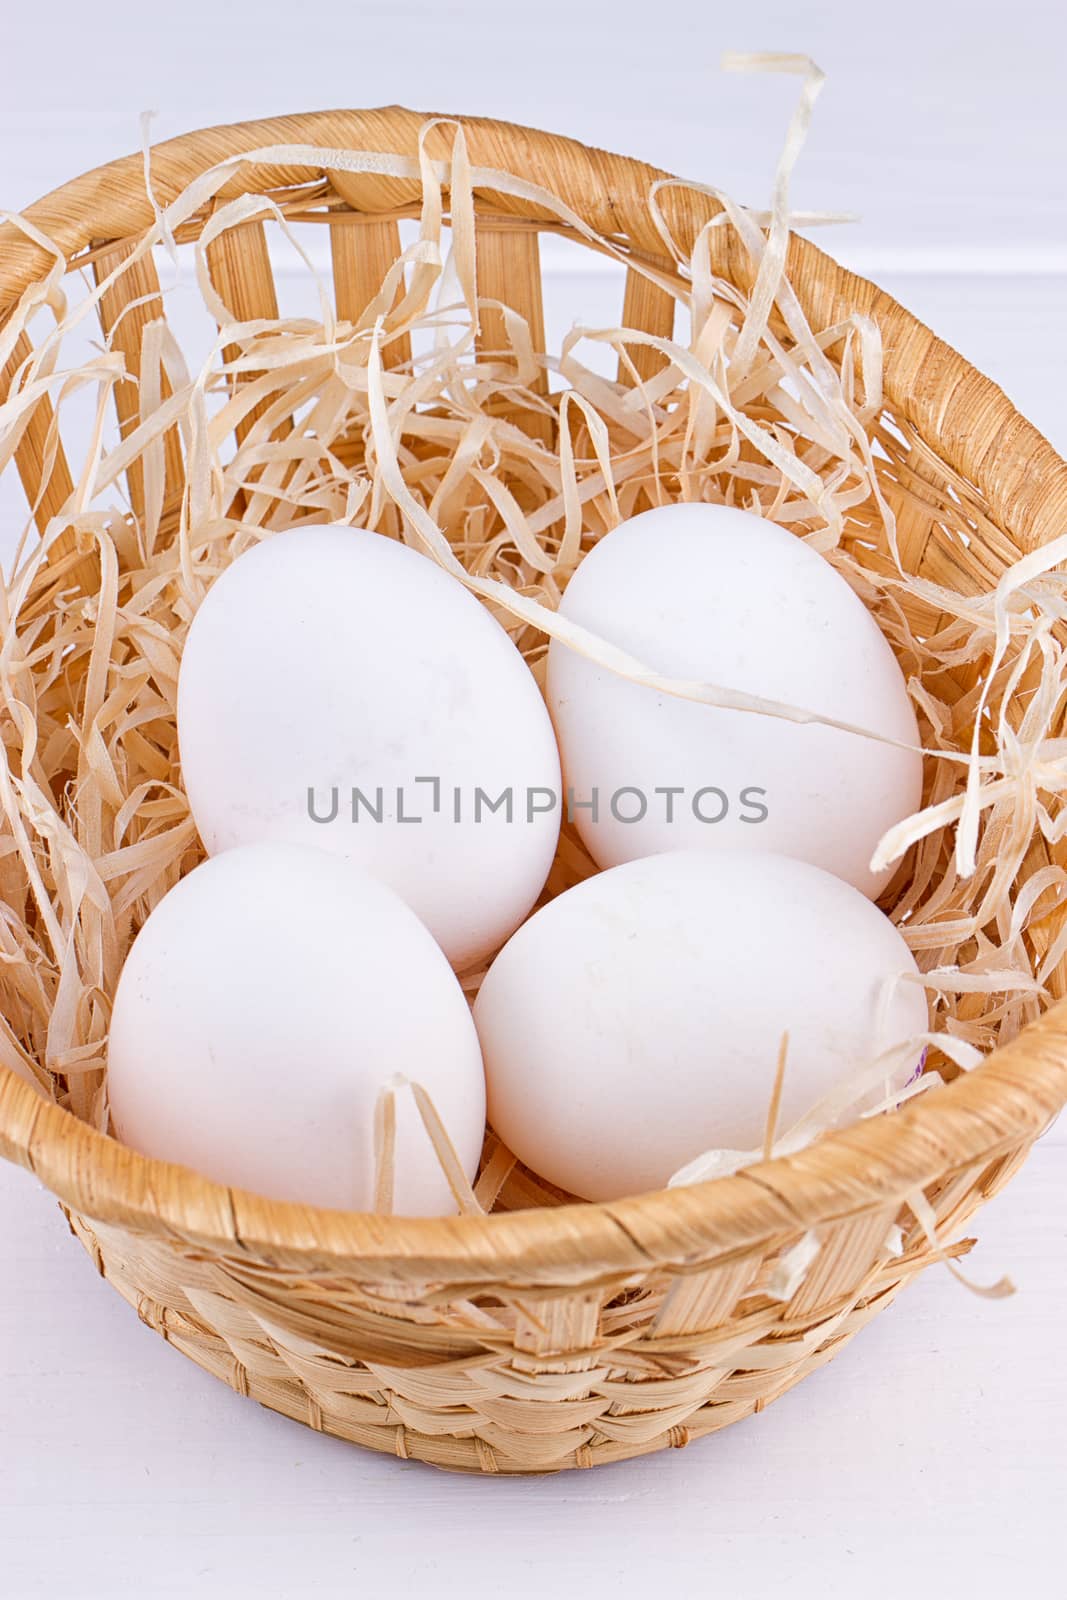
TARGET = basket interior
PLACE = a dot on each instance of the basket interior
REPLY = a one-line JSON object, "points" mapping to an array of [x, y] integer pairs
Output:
{"points": [[120, 808]]}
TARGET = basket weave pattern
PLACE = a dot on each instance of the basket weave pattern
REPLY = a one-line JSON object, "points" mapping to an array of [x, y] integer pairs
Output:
{"points": [[545, 1336]]}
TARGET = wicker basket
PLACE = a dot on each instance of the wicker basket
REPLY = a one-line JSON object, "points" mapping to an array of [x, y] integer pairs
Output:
{"points": [[563, 1336]]}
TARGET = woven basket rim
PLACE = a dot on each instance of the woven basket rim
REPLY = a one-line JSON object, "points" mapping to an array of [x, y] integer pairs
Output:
{"points": [[1008, 1099], [1011, 1097]]}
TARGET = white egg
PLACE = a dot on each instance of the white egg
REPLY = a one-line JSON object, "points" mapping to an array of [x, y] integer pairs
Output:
{"points": [[263, 1005], [635, 1022], [708, 593], [339, 689]]}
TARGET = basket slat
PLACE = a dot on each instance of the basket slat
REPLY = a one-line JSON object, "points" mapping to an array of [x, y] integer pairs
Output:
{"points": [[847, 1252], [33, 448], [126, 309], [240, 266], [362, 255], [509, 270], [651, 309], [705, 1299]]}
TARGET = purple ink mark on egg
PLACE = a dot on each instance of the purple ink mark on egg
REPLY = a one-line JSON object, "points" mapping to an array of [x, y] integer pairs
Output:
{"points": [[918, 1070]]}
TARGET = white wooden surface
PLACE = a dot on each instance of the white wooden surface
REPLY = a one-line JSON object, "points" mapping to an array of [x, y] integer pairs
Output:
{"points": [[930, 1457]]}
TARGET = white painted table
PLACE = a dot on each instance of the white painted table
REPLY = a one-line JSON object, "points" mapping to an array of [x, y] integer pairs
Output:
{"points": [[930, 1457]]}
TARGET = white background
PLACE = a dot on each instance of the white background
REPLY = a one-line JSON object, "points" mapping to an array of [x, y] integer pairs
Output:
{"points": [[929, 1457]]}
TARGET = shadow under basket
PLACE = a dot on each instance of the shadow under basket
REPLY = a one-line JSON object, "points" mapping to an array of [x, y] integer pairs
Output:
{"points": [[546, 1336]]}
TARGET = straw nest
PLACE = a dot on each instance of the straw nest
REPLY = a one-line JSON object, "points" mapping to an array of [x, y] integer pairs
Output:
{"points": [[416, 397]]}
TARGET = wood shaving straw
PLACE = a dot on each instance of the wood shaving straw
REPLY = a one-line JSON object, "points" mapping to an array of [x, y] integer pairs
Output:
{"points": [[749, 411]]}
